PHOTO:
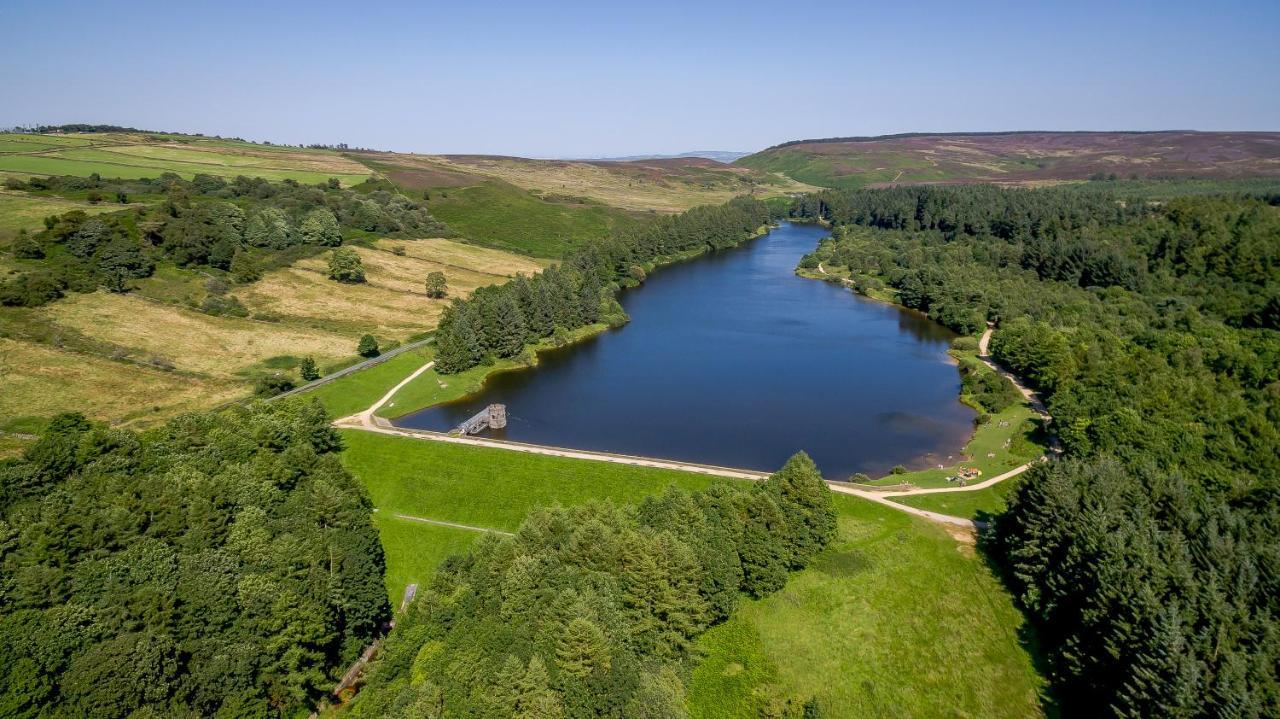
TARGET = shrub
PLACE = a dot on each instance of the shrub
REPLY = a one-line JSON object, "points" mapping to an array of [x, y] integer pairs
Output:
{"points": [[965, 344], [368, 347], [223, 307], [898, 469], [272, 385], [26, 247]]}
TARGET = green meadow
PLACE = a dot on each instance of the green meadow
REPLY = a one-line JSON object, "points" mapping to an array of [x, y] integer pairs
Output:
{"points": [[895, 619], [498, 214], [133, 156], [981, 504], [359, 390], [478, 487]]}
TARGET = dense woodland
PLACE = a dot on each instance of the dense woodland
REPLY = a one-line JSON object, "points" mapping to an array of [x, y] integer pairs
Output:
{"points": [[224, 565], [499, 321], [239, 228], [592, 611], [1149, 556]]}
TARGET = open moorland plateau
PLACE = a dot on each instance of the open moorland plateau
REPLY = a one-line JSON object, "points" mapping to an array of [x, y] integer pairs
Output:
{"points": [[1035, 375], [1024, 158]]}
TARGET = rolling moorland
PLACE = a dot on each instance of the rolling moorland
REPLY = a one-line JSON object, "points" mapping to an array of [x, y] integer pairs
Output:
{"points": [[1021, 158], [98, 349], [716, 600]]}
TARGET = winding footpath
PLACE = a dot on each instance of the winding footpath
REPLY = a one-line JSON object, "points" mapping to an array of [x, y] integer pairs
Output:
{"points": [[368, 421]]}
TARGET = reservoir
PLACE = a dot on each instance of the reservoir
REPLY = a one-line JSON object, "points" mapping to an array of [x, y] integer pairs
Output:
{"points": [[731, 359]]}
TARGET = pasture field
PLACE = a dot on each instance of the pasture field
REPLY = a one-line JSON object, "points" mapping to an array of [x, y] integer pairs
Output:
{"points": [[41, 381], [501, 215], [894, 619], [670, 185], [222, 347], [23, 211], [392, 302], [295, 312], [138, 155]]}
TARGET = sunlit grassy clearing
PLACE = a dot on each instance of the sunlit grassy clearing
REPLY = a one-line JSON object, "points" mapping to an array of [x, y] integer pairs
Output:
{"points": [[894, 619]]}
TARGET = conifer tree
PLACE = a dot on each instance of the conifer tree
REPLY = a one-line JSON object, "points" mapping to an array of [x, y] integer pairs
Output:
{"points": [[511, 333], [308, 371], [805, 501], [582, 649]]}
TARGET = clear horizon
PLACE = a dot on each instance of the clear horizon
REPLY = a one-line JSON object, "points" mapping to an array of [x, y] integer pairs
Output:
{"points": [[578, 80]]}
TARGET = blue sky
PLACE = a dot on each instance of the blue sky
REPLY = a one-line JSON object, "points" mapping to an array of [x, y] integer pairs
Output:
{"points": [[603, 78]]}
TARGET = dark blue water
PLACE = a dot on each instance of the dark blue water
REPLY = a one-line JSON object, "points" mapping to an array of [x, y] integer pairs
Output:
{"points": [[731, 359]]}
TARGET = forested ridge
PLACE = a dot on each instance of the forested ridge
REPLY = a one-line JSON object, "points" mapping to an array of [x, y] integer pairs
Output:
{"points": [[500, 321], [1149, 556], [591, 611], [223, 565]]}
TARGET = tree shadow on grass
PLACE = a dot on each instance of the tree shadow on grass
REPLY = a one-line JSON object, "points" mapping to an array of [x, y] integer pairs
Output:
{"points": [[1028, 637]]}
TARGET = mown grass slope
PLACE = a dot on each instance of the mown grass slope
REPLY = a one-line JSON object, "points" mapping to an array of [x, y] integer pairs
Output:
{"points": [[476, 486]]}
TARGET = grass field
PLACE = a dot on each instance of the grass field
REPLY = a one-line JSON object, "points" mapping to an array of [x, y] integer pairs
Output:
{"points": [[982, 504], [895, 619], [476, 486], [22, 211], [137, 155], [671, 185], [499, 214], [392, 302], [357, 391], [192, 341], [40, 381]]}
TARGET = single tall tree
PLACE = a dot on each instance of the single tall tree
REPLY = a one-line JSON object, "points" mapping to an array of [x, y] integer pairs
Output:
{"points": [[345, 266], [436, 286]]}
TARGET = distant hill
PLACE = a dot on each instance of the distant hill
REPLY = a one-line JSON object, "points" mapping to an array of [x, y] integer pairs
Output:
{"points": [[1020, 157], [725, 156]]}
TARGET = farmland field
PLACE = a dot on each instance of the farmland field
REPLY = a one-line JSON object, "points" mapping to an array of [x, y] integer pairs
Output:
{"points": [[21, 211], [670, 185], [135, 155], [392, 303], [41, 381]]}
